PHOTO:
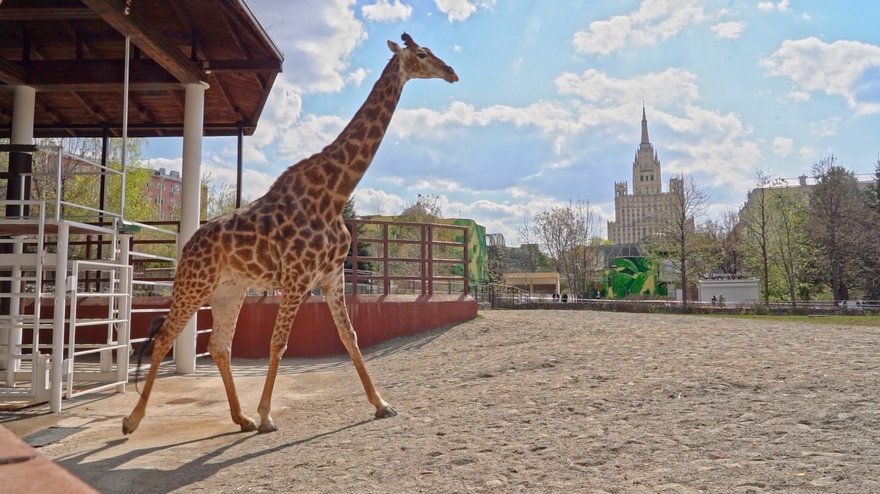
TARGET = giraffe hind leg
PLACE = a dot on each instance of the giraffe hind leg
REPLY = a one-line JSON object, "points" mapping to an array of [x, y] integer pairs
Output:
{"points": [[334, 295], [164, 337], [225, 306]]}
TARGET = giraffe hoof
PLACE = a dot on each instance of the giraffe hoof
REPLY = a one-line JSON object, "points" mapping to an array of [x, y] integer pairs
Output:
{"points": [[128, 425], [247, 425], [385, 412], [268, 426]]}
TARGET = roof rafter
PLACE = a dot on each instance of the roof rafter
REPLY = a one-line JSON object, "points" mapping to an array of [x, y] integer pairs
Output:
{"points": [[150, 43]]}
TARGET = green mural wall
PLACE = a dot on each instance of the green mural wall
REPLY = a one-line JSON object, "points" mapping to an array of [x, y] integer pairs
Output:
{"points": [[634, 275]]}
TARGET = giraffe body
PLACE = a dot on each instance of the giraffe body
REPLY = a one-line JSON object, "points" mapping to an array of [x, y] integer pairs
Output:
{"points": [[292, 238]]}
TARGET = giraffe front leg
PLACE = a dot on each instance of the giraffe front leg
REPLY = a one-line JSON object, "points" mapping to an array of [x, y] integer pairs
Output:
{"points": [[286, 313], [336, 301]]}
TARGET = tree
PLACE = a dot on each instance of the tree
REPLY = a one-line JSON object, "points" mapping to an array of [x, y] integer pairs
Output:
{"points": [[756, 218], [675, 235], [787, 241], [349, 212], [565, 234], [221, 197], [424, 209], [837, 208]]}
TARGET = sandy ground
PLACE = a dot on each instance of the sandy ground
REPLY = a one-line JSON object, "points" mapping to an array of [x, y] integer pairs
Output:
{"points": [[537, 401]]}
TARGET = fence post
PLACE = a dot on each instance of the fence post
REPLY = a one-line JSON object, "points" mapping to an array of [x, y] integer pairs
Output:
{"points": [[354, 259], [386, 283], [466, 265]]}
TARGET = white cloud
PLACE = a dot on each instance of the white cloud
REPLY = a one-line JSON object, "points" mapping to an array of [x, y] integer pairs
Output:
{"points": [[825, 128], [799, 96], [655, 21], [370, 201], [780, 6], [316, 46], [728, 30], [385, 11], [657, 88], [357, 76], [808, 152], [550, 118], [782, 146], [518, 63], [842, 68], [459, 10]]}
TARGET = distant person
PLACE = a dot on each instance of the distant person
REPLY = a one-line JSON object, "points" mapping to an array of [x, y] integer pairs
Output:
{"points": [[565, 297], [714, 300], [721, 300]]}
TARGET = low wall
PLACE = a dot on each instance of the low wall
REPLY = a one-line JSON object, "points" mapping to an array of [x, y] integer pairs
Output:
{"points": [[376, 318]]}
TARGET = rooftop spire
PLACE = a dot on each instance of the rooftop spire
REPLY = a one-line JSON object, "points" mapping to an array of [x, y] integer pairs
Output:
{"points": [[644, 127]]}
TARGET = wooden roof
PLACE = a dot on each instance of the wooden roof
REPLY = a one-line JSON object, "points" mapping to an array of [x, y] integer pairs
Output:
{"points": [[73, 52]]}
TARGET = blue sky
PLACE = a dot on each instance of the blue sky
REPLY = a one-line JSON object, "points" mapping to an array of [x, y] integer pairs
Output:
{"points": [[549, 102]]}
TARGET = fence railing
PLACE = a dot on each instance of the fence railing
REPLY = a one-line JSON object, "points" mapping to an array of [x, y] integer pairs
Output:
{"points": [[393, 257], [386, 257]]}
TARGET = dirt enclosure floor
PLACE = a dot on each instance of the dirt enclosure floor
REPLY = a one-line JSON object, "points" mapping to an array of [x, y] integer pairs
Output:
{"points": [[534, 401]]}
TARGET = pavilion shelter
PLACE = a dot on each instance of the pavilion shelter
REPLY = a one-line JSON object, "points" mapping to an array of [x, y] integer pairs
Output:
{"points": [[114, 68]]}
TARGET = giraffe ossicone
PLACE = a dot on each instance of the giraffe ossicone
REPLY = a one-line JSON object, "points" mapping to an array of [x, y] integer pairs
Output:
{"points": [[292, 238]]}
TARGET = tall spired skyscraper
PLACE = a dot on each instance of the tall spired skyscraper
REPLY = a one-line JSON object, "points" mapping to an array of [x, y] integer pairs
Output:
{"points": [[636, 214]]}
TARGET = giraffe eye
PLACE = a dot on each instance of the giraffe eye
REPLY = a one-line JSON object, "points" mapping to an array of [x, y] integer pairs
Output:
{"points": [[421, 54]]}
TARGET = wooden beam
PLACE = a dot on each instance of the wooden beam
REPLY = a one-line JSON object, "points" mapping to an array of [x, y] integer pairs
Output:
{"points": [[12, 73], [37, 13], [149, 41], [271, 65], [98, 75]]}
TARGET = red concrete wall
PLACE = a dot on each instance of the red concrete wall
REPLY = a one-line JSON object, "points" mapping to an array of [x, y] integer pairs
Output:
{"points": [[375, 318]]}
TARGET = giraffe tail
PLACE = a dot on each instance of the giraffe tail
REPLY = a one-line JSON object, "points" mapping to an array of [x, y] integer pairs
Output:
{"points": [[155, 326]]}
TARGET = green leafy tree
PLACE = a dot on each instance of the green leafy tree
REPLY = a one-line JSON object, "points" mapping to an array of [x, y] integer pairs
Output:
{"points": [[757, 219], [788, 244], [837, 207], [675, 237]]}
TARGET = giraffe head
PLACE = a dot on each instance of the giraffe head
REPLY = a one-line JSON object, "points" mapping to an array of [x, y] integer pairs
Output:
{"points": [[417, 62]]}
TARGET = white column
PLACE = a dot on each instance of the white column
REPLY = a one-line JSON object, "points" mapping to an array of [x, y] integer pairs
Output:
{"points": [[193, 127], [23, 115], [23, 104]]}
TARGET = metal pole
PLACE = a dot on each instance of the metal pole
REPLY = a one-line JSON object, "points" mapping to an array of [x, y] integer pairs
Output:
{"points": [[239, 167], [124, 125], [57, 369]]}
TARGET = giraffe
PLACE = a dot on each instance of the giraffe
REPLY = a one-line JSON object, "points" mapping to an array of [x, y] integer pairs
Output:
{"points": [[292, 238]]}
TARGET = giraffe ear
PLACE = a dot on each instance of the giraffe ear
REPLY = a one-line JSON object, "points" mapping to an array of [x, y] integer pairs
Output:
{"points": [[395, 48]]}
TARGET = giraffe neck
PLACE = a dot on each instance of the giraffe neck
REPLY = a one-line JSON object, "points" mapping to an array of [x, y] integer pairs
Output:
{"points": [[356, 145]]}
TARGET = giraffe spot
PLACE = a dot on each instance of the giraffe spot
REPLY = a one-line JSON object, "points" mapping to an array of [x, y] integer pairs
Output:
{"points": [[375, 132], [314, 176], [358, 131], [317, 242], [287, 231], [371, 113], [325, 202], [266, 225], [243, 238], [391, 105], [359, 165], [316, 223], [351, 150], [299, 245], [300, 218], [299, 187]]}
